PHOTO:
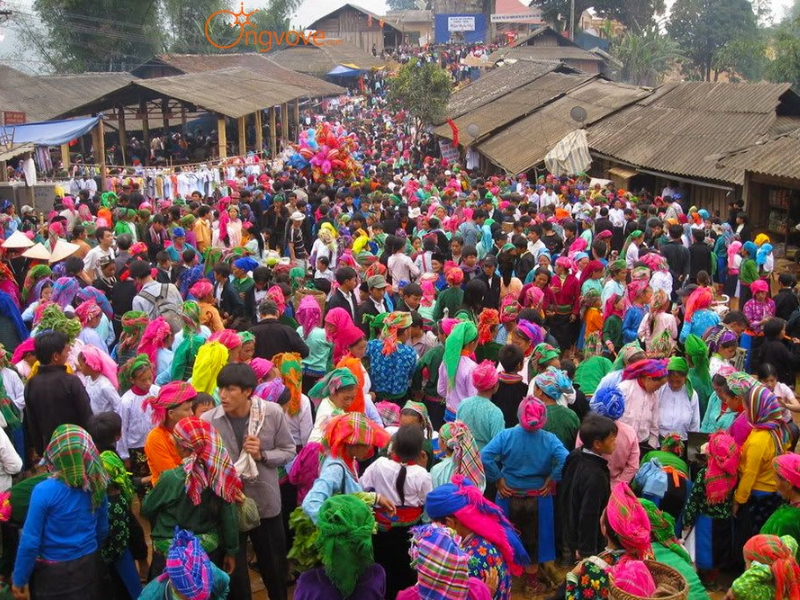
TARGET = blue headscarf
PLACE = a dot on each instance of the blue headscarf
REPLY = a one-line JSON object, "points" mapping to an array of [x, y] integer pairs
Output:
{"points": [[246, 263], [762, 254], [751, 249], [609, 402], [553, 382], [178, 232], [10, 310]]}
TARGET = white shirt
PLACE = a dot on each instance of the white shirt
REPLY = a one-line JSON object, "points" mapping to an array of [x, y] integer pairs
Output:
{"points": [[549, 198], [102, 395], [402, 268], [382, 475], [301, 424], [10, 462], [92, 259], [136, 423], [14, 387], [677, 412], [324, 413], [535, 247], [631, 255], [617, 217]]}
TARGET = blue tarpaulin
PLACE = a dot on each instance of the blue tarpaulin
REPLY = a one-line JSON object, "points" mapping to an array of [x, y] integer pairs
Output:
{"points": [[49, 133], [342, 71]]}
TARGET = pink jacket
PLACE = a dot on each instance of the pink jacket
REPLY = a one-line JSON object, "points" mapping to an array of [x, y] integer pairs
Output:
{"points": [[624, 462]]}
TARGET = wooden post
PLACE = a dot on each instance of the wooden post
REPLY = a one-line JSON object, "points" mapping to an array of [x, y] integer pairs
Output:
{"points": [[259, 133], [3, 170], [284, 121], [65, 157], [273, 139], [183, 119], [295, 118], [165, 119], [123, 135], [223, 138], [101, 148], [241, 124], [145, 131]]}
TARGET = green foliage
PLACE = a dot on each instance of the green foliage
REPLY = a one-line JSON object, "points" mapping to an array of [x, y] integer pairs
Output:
{"points": [[743, 58], [185, 25], [646, 57], [703, 27], [785, 66], [303, 555], [401, 4], [422, 89], [637, 15], [96, 35]]}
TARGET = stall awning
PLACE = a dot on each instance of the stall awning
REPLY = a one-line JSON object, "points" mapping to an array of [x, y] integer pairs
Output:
{"points": [[48, 133], [16, 150], [346, 71], [623, 173]]}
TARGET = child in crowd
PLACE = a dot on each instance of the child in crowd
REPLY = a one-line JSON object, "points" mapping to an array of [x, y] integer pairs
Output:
{"points": [[455, 372], [510, 387], [483, 418]]}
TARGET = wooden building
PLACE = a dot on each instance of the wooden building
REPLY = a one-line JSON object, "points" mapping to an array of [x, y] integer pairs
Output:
{"points": [[546, 44], [360, 27]]}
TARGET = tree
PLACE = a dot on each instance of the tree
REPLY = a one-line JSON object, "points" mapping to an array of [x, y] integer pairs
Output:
{"points": [[785, 65], [646, 57], [743, 58], [97, 35], [422, 89], [634, 14], [185, 21], [401, 4], [703, 27]]}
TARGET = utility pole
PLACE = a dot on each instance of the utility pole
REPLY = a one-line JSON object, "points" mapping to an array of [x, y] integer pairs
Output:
{"points": [[572, 20]]}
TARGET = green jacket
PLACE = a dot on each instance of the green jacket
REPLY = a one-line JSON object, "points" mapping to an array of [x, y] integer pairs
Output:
{"points": [[167, 506], [451, 299]]}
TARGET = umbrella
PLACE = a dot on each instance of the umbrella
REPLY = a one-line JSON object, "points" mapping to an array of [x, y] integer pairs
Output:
{"points": [[17, 240], [37, 252]]}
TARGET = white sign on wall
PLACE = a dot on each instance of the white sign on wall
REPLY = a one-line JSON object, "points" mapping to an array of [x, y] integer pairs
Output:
{"points": [[460, 23]]}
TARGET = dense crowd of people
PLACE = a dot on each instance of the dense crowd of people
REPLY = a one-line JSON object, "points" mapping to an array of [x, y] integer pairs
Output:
{"points": [[419, 383]]}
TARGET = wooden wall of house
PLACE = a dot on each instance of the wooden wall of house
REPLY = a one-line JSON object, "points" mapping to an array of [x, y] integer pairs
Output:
{"points": [[353, 27], [544, 40], [592, 67]]}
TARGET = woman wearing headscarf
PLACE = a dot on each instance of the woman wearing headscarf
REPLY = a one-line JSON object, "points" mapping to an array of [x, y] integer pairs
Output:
{"points": [[733, 263], [613, 313], [757, 491], [320, 349], [199, 495], [709, 508], [192, 339], [563, 323], [669, 551], [748, 272], [527, 336], [203, 290], [173, 403], [462, 456], [760, 308], [345, 524], [455, 372], [626, 527], [189, 573], [678, 405], [67, 518], [786, 520], [772, 570], [549, 386], [641, 381], [526, 462], [336, 320], [487, 535], [448, 301], [391, 361], [156, 343], [133, 325], [442, 568], [487, 348], [334, 393], [623, 463], [211, 357], [639, 295], [659, 328]]}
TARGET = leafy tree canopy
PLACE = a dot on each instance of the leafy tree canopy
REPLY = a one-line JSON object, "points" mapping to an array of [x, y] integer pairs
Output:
{"points": [[422, 89], [637, 15]]}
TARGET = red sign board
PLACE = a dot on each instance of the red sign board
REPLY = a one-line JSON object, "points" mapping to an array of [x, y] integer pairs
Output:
{"points": [[13, 118]]}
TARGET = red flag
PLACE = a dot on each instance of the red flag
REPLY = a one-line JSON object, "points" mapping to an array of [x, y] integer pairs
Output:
{"points": [[454, 128]]}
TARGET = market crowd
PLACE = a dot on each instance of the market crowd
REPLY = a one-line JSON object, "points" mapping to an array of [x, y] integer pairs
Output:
{"points": [[418, 383]]}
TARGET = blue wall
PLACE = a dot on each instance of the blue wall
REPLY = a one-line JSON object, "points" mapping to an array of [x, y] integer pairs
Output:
{"points": [[442, 35]]}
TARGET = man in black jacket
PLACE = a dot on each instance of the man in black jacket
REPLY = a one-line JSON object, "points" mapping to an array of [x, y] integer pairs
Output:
{"points": [[53, 397], [786, 301], [228, 300], [273, 337], [677, 256], [345, 296], [699, 255], [489, 276]]}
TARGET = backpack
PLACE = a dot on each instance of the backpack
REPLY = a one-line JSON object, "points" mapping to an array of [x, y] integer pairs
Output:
{"points": [[172, 314]]}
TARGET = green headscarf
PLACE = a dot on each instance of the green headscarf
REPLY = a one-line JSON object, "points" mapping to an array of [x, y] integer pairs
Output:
{"points": [[662, 529], [679, 365], [631, 237], [296, 276], [246, 337], [72, 457], [129, 369], [461, 335], [346, 525], [699, 373], [54, 318], [118, 474], [375, 323], [332, 383], [191, 318]]}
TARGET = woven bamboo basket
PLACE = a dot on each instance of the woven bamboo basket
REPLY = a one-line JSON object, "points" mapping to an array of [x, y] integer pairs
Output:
{"points": [[318, 296], [670, 585]]}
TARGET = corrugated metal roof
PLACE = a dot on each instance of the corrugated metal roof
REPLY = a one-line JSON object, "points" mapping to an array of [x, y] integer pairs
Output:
{"points": [[42, 98], [524, 144], [253, 61], [497, 83], [682, 128], [376, 17], [778, 157], [321, 59], [410, 16], [552, 53], [512, 106]]}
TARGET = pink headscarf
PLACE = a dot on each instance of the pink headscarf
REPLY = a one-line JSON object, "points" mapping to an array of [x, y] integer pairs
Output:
{"points": [[21, 350], [153, 339], [340, 320], [448, 324], [261, 367], [698, 300], [633, 577], [201, 289], [578, 245], [275, 294], [101, 362], [733, 251], [759, 285], [565, 262], [534, 296], [636, 288], [227, 337], [629, 520], [309, 314], [87, 311], [532, 414], [484, 376]]}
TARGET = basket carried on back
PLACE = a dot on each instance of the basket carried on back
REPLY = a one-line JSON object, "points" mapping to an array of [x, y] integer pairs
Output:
{"points": [[670, 585], [318, 296]]}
